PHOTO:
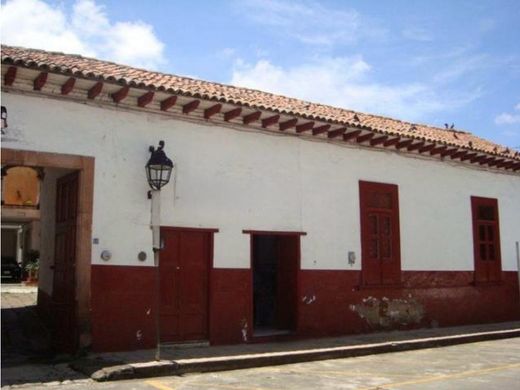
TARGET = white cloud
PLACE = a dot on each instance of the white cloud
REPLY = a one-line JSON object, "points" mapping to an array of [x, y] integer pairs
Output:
{"points": [[85, 30], [507, 118], [346, 82], [309, 22]]}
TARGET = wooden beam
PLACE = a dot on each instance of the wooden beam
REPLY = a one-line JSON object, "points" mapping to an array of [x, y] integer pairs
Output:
{"points": [[477, 159], [459, 154], [270, 121], [67, 87], [516, 167], [10, 75], [351, 135], [320, 129], [488, 160], [496, 162], [426, 148], [209, 112], [468, 156], [438, 150], [144, 100], [506, 164], [250, 118], [168, 103], [379, 140], [40, 81], [288, 124], [304, 127], [232, 114], [336, 132], [391, 142], [191, 106], [95, 90], [363, 138], [404, 144], [121, 94], [449, 153], [416, 146]]}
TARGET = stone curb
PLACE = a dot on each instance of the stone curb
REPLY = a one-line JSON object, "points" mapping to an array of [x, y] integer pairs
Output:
{"points": [[167, 367]]}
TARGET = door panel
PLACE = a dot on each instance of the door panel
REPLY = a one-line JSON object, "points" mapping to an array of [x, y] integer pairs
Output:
{"points": [[380, 248], [63, 293], [184, 270], [486, 239]]}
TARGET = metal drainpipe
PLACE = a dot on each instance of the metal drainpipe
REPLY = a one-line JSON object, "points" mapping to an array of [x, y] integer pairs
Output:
{"points": [[156, 238]]}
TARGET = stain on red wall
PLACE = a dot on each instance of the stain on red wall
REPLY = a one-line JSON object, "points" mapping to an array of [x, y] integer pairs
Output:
{"points": [[331, 302]]}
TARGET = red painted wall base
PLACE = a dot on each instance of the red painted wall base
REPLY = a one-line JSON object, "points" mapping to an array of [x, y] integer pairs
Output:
{"points": [[330, 303], [123, 311]]}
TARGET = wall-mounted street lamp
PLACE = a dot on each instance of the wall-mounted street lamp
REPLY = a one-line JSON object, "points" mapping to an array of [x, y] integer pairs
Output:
{"points": [[158, 168], [158, 173]]}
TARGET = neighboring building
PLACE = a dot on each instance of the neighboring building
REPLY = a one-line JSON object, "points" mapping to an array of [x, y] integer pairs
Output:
{"points": [[285, 219]]}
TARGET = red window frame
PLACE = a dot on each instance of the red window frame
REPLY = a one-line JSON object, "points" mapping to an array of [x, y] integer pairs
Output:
{"points": [[486, 240], [380, 238]]}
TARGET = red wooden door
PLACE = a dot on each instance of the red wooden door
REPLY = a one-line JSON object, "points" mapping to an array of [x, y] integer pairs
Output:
{"points": [[486, 239], [381, 253], [184, 269], [63, 292]]}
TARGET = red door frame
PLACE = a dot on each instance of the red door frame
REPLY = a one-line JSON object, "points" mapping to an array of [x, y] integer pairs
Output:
{"points": [[394, 269], [492, 269], [252, 233], [211, 239]]}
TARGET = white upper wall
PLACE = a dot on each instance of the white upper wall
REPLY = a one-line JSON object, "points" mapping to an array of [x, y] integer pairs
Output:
{"points": [[234, 180]]}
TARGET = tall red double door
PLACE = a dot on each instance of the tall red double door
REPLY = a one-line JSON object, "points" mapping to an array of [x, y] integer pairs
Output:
{"points": [[184, 280]]}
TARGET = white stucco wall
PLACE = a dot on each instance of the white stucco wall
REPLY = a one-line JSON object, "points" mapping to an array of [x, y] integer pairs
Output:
{"points": [[234, 180]]}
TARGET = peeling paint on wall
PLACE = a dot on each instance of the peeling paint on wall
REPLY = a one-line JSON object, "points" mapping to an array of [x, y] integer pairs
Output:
{"points": [[244, 330], [389, 313], [308, 299]]}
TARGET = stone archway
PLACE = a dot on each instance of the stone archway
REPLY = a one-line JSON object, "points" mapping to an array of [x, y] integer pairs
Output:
{"points": [[85, 167]]}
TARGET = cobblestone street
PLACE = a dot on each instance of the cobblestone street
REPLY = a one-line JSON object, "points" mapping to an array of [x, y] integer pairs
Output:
{"points": [[484, 365], [25, 342]]}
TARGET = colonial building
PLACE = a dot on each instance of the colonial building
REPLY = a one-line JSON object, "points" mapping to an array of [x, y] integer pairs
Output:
{"points": [[283, 218]]}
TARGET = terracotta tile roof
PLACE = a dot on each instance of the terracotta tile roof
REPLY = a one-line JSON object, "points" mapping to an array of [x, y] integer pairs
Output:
{"points": [[94, 69]]}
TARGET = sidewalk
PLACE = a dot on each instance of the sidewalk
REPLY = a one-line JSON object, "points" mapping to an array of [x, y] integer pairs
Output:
{"points": [[176, 361]]}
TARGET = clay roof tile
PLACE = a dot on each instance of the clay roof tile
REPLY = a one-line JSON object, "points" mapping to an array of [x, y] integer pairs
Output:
{"points": [[97, 69]]}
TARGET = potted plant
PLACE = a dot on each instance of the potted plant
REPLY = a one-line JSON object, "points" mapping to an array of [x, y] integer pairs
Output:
{"points": [[32, 267]]}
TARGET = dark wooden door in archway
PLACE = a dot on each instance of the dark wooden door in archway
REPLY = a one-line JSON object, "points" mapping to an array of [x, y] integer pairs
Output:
{"points": [[63, 292]]}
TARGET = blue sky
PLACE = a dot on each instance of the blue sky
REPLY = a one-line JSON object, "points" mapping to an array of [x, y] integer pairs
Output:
{"points": [[423, 61]]}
